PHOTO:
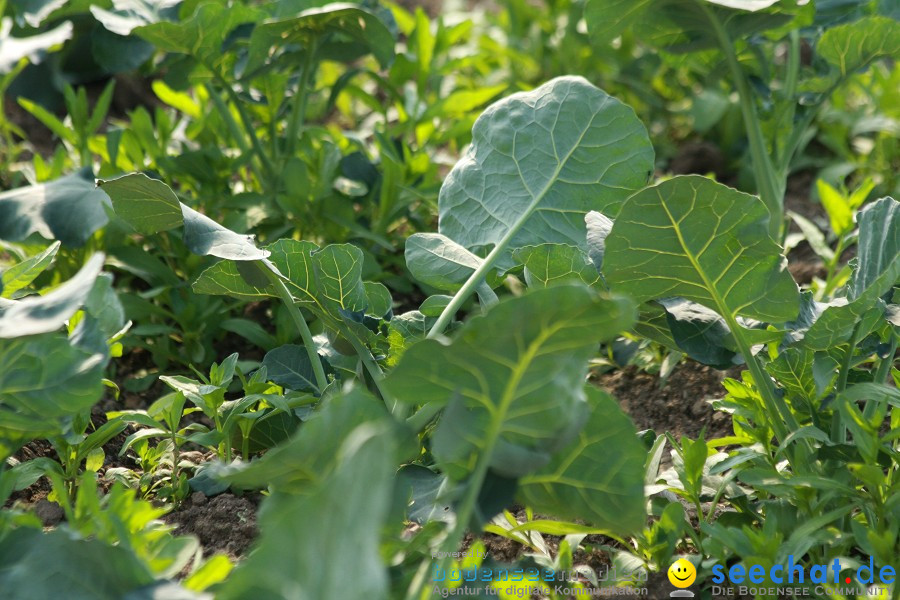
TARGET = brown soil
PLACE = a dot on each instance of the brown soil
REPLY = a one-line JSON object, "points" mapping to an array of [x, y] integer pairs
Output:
{"points": [[681, 407], [224, 524], [700, 157]]}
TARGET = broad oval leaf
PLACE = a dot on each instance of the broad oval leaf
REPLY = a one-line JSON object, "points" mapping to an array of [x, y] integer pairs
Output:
{"points": [[338, 269], [538, 162], [685, 25], [599, 477], [69, 209], [202, 34], [43, 314], [34, 48], [289, 367], [128, 14], [148, 205], [311, 453], [512, 378], [876, 270], [438, 261], [204, 236], [55, 564], [44, 381], [698, 239], [350, 21], [361, 483], [551, 264], [855, 45], [700, 332]]}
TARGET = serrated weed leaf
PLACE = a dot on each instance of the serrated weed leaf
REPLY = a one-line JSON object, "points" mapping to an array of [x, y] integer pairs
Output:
{"points": [[21, 274], [539, 161], [698, 239]]}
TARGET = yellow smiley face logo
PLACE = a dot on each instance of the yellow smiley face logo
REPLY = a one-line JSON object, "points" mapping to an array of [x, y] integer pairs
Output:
{"points": [[682, 573]]}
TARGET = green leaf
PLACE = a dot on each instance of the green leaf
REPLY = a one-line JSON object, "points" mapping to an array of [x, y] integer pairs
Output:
{"points": [[338, 269], [34, 48], [413, 324], [436, 260], [313, 526], [433, 306], [684, 25], [202, 34], [205, 237], [876, 270], [700, 332], [878, 249], [289, 367], [311, 454], [68, 567], [103, 305], [423, 490], [214, 570], [128, 14], [814, 237], [538, 162], [379, 303], [21, 274], [599, 478], [515, 377], [148, 205], [608, 19], [855, 45], [165, 590], [69, 209], [251, 331], [551, 264], [795, 370], [43, 314], [698, 239], [44, 382], [349, 21], [270, 429], [598, 227], [840, 214]]}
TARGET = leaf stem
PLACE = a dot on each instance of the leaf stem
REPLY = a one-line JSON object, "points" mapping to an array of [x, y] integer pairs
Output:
{"points": [[882, 373], [371, 366], [790, 91], [830, 283], [463, 515], [478, 276], [782, 419], [300, 322], [298, 111], [767, 180], [245, 119], [233, 127], [838, 431]]}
